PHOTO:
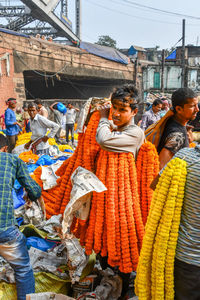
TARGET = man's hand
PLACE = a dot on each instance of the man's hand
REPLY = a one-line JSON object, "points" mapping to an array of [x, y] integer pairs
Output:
{"points": [[27, 145], [17, 123], [45, 139], [104, 110], [189, 133]]}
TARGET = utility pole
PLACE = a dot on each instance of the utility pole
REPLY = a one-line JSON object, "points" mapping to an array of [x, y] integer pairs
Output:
{"points": [[183, 54], [163, 70], [78, 18]]}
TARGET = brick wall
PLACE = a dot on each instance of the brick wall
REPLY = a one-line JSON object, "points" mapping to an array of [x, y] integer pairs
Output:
{"points": [[6, 77]]}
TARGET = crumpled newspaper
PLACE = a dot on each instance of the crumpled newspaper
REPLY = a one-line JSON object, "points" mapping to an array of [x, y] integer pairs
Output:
{"points": [[53, 150], [50, 226], [77, 259], [6, 271], [34, 212], [110, 287], [48, 176], [48, 261], [84, 183]]}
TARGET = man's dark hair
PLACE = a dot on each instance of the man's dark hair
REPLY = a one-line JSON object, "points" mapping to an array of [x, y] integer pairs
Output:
{"points": [[127, 94], [3, 141], [181, 96], [38, 101], [32, 104], [157, 102], [25, 105]]}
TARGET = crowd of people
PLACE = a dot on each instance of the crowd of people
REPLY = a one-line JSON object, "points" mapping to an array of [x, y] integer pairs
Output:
{"points": [[122, 135], [34, 117]]}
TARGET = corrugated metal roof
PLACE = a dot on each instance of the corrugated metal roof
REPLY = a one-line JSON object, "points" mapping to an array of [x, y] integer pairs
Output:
{"points": [[138, 48]]}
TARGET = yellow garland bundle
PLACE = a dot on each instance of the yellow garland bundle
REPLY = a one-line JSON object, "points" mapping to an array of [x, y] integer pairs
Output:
{"points": [[155, 270], [23, 138], [147, 169]]}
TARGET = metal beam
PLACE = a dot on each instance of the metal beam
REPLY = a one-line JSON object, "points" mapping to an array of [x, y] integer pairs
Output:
{"points": [[13, 11], [47, 31], [20, 22], [43, 10]]}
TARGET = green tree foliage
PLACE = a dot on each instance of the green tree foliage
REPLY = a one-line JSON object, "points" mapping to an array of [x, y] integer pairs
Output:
{"points": [[106, 40]]}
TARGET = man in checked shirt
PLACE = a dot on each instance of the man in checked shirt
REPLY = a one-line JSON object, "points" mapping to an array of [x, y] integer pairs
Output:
{"points": [[12, 241]]}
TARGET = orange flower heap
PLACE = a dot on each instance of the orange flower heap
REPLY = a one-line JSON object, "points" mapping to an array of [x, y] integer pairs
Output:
{"points": [[28, 155]]}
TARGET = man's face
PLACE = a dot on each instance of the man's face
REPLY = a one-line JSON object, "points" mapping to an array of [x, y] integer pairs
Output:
{"points": [[122, 113], [189, 110], [69, 106], [32, 112], [165, 106], [12, 104], [156, 108]]}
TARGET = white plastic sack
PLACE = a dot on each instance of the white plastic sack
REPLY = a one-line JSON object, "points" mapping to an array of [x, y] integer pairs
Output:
{"points": [[19, 149]]}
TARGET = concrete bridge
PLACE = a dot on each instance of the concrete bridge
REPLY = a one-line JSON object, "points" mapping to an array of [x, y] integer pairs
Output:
{"points": [[34, 68]]}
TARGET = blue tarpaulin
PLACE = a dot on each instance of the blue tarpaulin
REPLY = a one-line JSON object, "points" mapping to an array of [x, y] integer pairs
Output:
{"points": [[39, 243], [18, 199], [172, 55], [132, 51], [105, 52]]}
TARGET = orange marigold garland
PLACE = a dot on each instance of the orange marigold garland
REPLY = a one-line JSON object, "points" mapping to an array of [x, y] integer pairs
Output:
{"points": [[136, 202], [91, 147], [133, 240], [110, 208], [101, 173], [147, 169], [125, 265]]}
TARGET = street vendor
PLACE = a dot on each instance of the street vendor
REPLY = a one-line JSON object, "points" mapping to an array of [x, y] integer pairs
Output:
{"points": [[175, 135], [120, 135], [12, 242], [187, 261], [12, 126], [169, 265], [39, 126]]}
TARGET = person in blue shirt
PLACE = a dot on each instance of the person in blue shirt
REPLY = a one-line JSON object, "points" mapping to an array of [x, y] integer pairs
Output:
{"points": [[12, 242], [12, 126]]}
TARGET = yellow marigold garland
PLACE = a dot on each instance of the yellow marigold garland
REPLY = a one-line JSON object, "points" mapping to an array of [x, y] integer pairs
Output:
{"points": [[156, 264]]}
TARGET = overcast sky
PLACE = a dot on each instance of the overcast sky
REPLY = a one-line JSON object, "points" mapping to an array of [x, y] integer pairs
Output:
{"points": [[132, 25]]}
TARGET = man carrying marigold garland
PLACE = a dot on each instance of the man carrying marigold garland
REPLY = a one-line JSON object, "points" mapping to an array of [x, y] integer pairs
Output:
{"points": [[175, 135], [187, 261], [184, 278], [120, 135]]}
